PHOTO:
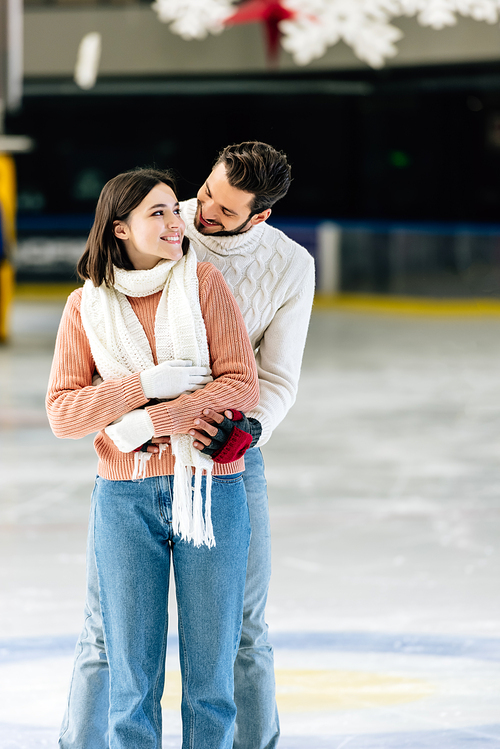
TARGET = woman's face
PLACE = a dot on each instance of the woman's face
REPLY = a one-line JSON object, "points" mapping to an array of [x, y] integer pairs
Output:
{"points": [[154, 230]]}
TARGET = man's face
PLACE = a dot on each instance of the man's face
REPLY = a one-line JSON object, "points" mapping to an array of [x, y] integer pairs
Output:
{"points": [[222, 210]]}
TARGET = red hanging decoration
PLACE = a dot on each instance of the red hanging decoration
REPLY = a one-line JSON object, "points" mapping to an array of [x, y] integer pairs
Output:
{"points": [[270, 13]]}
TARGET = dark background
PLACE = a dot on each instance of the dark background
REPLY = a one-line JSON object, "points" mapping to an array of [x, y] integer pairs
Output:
{"points": [[405, 160], [414, 145]]}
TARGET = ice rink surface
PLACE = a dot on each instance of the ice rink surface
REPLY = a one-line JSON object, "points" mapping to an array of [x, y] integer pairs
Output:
{"points": [[384, 486]]}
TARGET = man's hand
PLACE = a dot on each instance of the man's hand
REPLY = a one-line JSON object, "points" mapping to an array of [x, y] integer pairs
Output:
{"points": [[225, 438], [205, 428], [153, 444], [203, 433], [219, 436]]}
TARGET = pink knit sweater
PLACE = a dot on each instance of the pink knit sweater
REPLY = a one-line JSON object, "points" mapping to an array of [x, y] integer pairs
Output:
{"points": [[75, 408]]}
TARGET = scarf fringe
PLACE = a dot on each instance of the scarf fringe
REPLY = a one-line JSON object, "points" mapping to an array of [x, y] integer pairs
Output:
{"points": [[187, 510], [182, 507], [198, 528], [209, 538], [140, 463]]}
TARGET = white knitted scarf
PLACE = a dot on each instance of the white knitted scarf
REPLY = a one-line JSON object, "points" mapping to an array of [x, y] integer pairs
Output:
{"points": [[120, 347]]}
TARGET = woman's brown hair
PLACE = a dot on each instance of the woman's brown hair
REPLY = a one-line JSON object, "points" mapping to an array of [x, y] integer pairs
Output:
{"points": [[117, 200]]}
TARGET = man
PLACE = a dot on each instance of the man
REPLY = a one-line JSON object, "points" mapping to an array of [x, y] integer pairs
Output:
{"points": [[272, 279]]}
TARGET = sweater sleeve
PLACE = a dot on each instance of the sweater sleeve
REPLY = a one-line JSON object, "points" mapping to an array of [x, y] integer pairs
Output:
{"points": [[75, 407], [279, 357], [232, 361]]}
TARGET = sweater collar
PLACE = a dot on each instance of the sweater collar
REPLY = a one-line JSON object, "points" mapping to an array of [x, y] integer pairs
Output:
{"points": [[239, 244]]}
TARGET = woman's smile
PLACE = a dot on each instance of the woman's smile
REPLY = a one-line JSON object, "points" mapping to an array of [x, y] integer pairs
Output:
{"points": [[172, 238]]}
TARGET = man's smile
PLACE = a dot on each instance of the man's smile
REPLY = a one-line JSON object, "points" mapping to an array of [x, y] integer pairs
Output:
{"points": [[207, 222]]}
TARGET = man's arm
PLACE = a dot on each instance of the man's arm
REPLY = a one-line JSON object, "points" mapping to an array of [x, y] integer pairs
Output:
{"points": [[278, 360], [279, 357]]}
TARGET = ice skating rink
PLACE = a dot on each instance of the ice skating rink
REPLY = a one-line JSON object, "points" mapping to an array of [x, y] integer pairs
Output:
{"points": [[384, 486]]}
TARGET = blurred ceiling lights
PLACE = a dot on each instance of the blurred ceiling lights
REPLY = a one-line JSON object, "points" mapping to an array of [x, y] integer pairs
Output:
{"points": [[87, 60]]}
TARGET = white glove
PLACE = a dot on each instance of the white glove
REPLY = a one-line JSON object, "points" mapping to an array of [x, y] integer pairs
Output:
{"points": [[172, 378], [131, 431]]}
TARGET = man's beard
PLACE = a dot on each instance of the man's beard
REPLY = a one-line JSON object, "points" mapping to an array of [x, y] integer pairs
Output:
{"points": [[223, 233]]}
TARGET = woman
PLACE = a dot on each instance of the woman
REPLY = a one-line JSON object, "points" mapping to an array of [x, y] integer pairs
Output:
{"points": [[153, 324]]}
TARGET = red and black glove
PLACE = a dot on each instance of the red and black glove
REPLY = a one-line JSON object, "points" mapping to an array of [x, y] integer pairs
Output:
{"points": [[234, 437]]}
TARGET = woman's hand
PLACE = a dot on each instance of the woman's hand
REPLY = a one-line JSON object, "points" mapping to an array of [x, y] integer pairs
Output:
{"points": [[172, 378], [131, 431]]}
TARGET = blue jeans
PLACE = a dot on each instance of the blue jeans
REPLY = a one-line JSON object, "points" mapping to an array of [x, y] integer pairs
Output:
{"points": [[257, 723], [134, 544], [85, 724]]}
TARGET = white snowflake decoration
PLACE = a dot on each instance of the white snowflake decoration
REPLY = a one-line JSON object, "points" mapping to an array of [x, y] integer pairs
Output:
{"points": [[194, 19], [362, 24], [365, 25], [441, 13]]}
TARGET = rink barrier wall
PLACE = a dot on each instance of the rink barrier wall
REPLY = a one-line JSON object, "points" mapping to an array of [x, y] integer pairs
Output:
{"points": [[430, 268], [394, 305], [440, 260], [356, 303]]}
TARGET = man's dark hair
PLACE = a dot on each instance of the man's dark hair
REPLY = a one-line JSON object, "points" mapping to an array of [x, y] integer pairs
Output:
{"points": [[117, 200], [257, 168]]}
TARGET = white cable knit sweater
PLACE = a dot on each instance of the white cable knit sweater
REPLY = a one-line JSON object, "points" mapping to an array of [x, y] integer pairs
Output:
{"points": [[272, 279]]}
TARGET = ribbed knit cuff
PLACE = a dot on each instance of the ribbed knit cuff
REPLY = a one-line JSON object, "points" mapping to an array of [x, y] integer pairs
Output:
{"points": [[162, 421], [235, 448], [133, 392], [267, 427]]}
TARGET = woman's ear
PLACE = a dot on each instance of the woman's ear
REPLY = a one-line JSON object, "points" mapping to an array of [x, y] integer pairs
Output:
{"points": [[120, 229]]}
